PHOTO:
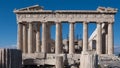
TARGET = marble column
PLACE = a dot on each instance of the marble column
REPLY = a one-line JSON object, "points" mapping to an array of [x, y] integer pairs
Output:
{"points": [[20, 37], [71, 39], [34, 38], [30, 38], [85, 36], [48, 38], [59, 62], [44, 38], [58, 42], [38, 38], [106, 43], [99, 38], [25, 38], [110, 39]]}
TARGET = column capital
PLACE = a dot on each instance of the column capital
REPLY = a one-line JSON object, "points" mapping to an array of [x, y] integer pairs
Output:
{"points": [[99, 22], [25, 23], [43, 22], [30, 22], [110, 22], [58, 23], [20, 23], [86, 22], [72, 22]]}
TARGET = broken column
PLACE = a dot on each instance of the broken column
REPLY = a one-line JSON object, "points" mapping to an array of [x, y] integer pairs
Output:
{"points": [[10, 58], [59, 62], [88, 60]]}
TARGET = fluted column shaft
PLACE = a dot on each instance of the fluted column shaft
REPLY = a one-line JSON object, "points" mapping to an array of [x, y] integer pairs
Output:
{"points": [[110, 39], [34, 38], [48, 38], [99, 38], [30, 38], [44, 38], [20, 37], [71, 39], [58, 43], [25, 38], [106, 43], [38, 38], [85, 36]]}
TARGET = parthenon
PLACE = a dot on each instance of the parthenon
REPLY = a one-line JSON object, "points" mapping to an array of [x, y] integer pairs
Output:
{"points": [[39, 49]]}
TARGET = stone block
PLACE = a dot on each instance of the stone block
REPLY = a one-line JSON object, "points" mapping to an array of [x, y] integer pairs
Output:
{"points": [[88, 60], [40, 55], [59, 62]]}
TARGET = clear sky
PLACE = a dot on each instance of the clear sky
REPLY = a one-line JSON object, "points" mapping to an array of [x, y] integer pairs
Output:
{"points": [[8, 25]]}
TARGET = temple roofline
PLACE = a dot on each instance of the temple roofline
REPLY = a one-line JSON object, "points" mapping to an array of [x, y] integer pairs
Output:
{"points": [[39, 9]]}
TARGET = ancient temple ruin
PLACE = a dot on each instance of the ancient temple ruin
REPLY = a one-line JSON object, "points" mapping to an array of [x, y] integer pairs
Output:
{"points": [[42, 51]]}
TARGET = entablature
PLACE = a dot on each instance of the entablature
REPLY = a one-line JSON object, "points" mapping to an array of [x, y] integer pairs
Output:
{"points": [[100, 15], [66, 17]]}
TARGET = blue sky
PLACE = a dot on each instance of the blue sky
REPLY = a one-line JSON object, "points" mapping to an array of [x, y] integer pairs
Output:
{"points": [[8, 25]]}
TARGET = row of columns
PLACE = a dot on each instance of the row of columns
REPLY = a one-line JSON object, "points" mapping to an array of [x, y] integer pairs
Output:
{"points": [[110, 41], [22, 38]]}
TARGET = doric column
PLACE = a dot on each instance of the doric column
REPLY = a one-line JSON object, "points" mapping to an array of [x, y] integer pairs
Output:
{"points": [[30, 37], [85, 36], [48, 38], [110, 39], [44, 38], [34, 38], [106, 43], [99, 38], [38, 38], [58, 43], [20, 37], [25, 38], [71, 39]]}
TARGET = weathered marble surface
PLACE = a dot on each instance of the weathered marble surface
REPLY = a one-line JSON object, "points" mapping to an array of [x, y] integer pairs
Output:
{"points": [[88, 60]]}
